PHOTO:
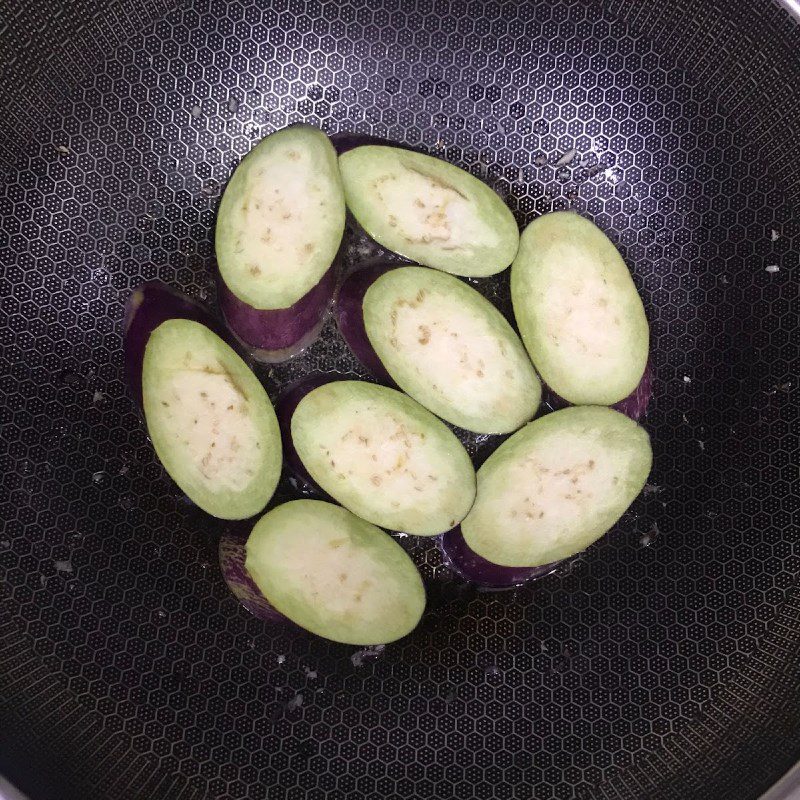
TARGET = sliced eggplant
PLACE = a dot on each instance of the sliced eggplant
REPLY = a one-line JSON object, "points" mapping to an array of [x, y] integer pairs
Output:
{"points": [[475, 569], [148, 305], [350, 317], [285, 408], [334, 574], [279, 228], [274, 335], [578, 310], [384, 457], [428, 211], [556, 486], [450, 349], [210, 420], [232, 555], [635, 405]]}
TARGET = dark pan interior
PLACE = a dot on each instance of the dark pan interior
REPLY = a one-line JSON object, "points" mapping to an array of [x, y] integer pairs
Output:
{"points": [[662, 664]]}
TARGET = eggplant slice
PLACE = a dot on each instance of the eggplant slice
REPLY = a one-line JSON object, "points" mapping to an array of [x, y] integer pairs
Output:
{"points": [[428, 211], [556, 486], [335, 574], [279, 229], [578, 310]]}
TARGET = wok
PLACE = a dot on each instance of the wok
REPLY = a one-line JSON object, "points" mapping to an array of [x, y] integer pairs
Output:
{"points": [[663, 663]]}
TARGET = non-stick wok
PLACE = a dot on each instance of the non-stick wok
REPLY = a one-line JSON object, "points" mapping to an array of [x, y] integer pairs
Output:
{"points": [[662, 663]]}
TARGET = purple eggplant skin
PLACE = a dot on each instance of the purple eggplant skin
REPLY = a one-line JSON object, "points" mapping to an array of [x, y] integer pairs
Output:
{"points": [[285, 408], [344, 141], [232, 556], [274, 335], [148, 305], [475, 569], [634, 405], [350, 317]]}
